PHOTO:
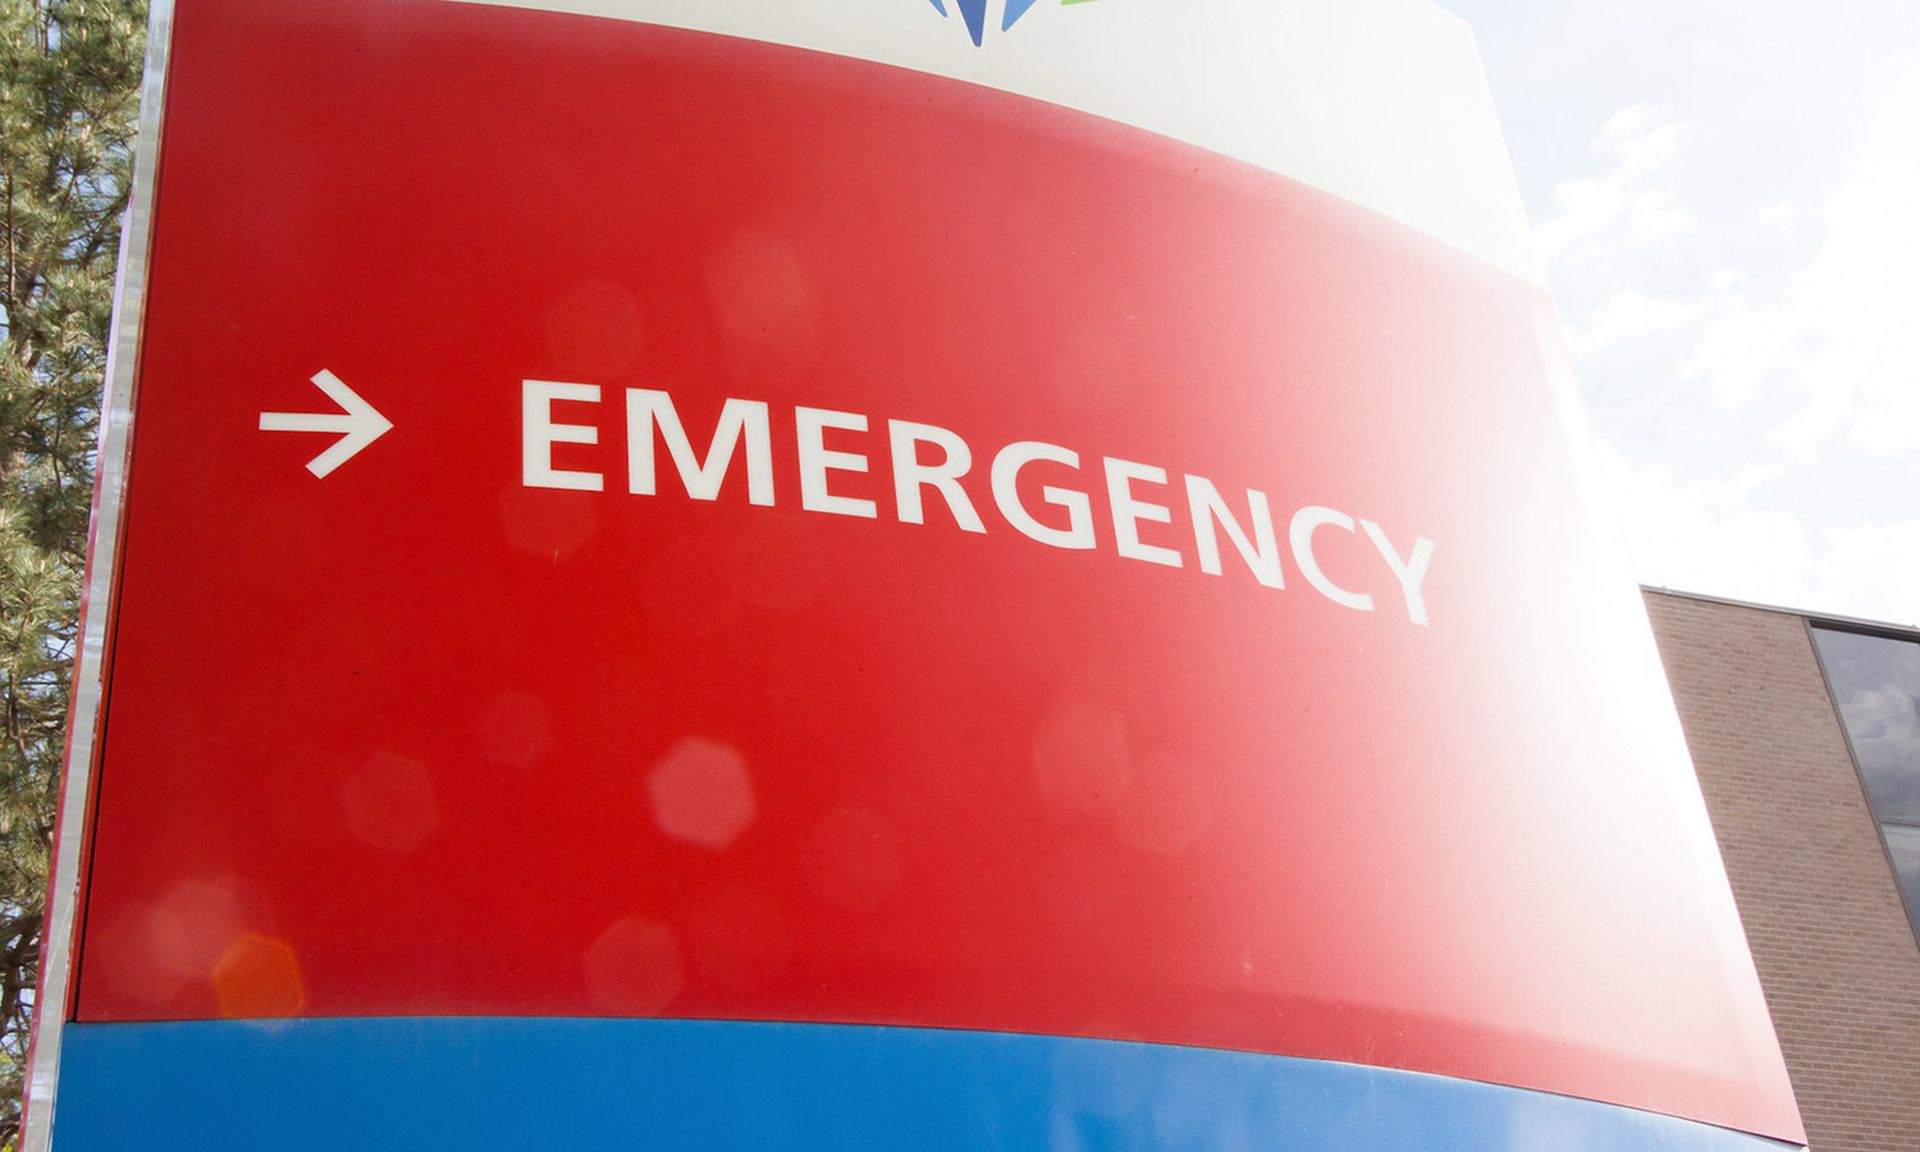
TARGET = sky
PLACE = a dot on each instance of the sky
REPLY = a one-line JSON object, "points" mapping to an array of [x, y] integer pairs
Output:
{"points": [[1725, 197]]}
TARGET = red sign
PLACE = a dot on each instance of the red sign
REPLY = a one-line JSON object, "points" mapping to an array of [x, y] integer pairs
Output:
{"points": [[625, 521]]}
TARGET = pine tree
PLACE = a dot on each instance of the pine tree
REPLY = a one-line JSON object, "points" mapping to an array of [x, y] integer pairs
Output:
{"points": [[69, 87]]}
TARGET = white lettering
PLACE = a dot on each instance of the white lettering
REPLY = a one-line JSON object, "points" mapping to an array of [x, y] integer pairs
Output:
{"points": [[1411, 573], [648, 409], [1262, 554], [816, 460], [1128, 512], [1300, 535], [744, 429], [538, 435], [1006, 493], [909, 475]]}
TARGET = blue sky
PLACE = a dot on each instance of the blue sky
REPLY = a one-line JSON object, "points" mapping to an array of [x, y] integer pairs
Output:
{"points": [[1726, 199]]}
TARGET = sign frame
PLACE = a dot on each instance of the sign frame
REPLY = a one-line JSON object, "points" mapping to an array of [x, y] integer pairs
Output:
{"points": [[59, 944], [73, 846]]}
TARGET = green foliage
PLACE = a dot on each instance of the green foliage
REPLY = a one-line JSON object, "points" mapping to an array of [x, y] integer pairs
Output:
{"points": [[69, 86]]}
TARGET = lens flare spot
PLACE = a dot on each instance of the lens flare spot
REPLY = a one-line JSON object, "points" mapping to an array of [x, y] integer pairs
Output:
{"points": [[594, 331], [701, 793], [259, 978], [763, 299], [853, 860], [1081, 760], [1166, 808], [634, 968], [738, 939], [544, 523], [515, 730], [390, 803], [193, 926]]}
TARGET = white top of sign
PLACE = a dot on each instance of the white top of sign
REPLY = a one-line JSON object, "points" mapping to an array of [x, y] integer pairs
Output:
{"points": [[1381, 102]]}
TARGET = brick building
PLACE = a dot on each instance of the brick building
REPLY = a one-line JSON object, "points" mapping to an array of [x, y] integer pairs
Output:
{"points": [[1804, 733]]}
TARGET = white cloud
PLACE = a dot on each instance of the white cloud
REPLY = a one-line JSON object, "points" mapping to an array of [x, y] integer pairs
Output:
{"points": [[1778, 217], [1630, 207], [1716, 533], [1837, 345], [1707, 533], [1871, 569], [1629, 315], [1769, 237]]}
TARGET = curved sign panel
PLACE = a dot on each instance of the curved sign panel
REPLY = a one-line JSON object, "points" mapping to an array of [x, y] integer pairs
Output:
{"points": [[863, 574]]}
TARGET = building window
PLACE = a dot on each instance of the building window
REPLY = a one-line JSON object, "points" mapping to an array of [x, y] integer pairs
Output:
{"points": [[1876, 682]]}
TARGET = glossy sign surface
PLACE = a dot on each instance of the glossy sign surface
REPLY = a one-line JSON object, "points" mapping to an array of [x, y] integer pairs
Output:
{"points": [[473, 725]]}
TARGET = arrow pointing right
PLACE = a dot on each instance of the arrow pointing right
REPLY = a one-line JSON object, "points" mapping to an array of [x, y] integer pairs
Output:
{"points": [[357, 421]]}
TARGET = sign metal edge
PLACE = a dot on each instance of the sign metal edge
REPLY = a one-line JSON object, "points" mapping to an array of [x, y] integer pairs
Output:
{"points": [[52, 1000]]}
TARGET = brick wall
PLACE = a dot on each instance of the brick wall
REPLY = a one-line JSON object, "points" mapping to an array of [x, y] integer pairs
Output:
{"points": [[1835, 952]]}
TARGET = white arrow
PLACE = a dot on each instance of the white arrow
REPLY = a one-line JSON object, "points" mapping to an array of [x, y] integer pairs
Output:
{"points": [[359, 424]]}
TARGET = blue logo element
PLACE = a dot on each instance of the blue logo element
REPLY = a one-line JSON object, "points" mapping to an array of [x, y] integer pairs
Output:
{"points": [[974, 14]]}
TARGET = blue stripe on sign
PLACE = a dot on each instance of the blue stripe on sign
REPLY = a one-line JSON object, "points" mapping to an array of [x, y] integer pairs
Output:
{"points": [[486, 1083]]}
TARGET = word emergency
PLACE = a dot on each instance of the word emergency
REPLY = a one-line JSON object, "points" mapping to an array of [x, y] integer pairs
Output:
{"points": [[744, 430]]}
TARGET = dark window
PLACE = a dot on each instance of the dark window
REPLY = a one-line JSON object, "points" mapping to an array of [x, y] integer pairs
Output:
{"points": [[1876, 681], [1904, 842]]}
